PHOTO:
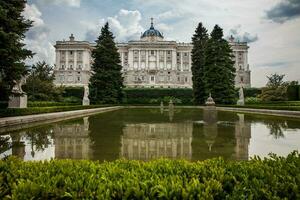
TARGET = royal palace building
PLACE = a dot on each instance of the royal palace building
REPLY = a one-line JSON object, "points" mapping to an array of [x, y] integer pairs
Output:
{"points": [[150, 62]]}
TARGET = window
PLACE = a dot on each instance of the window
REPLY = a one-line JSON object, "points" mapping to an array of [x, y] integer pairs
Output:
{"points": [[152, 78], [79, 66], [178, 79], [185, 79], [152, 52], [71, 66], [169, 52], [242, 79], [178, 54], [62, 66], [71, 52], [79, 78], [185, 54]]}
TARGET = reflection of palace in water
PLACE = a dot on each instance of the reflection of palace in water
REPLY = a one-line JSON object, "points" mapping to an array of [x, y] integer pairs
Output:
{"points": [[242, 136], [72, 140], [150, 141]]}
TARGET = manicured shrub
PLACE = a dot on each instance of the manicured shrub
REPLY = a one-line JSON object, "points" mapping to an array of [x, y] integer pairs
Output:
{"points": [[38, 110], [252, 92], [76, 92], [156, 95], [272, 178], [49, 104], [293, 92]]}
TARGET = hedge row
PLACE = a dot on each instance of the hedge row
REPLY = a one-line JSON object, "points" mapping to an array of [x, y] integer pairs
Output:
{"points": [[272, 178], [49, 104], [293, 92], [266, 106], [38, 110], [155, 95]]}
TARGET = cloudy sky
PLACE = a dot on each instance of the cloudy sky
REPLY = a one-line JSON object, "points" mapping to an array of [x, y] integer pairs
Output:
{"points": [[271, 27]]}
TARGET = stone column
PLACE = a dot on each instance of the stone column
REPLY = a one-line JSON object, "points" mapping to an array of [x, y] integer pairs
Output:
{"points": [[67, 59], [190, 61], [165, 59], [157, 60], [57, 60], [147, 59], [75, 59], [122, 59], [181, 61], [174, 60], [130, 60], [139, 63]]}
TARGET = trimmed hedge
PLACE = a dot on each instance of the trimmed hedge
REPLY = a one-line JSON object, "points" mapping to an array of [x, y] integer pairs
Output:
{"points": [[156, 95], [36, 110], [252, 92], [266, 106], [293, 92], [49, 104], [272, 178]]}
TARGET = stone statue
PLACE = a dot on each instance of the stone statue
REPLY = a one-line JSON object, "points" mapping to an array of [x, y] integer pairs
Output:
{"points": [[17, 89], [171, 104], [210, 101], [18, 99], [86, 100], [161, 107], [241, 101]]}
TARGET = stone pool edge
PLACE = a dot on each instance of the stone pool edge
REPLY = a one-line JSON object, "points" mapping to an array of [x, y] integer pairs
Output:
{"points": [[51, 117], [282, 113]]}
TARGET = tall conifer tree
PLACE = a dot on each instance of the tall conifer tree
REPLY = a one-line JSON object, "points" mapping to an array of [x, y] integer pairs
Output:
{"points": [[219, 71], [106, 82], [199, 41], [12, 52]]}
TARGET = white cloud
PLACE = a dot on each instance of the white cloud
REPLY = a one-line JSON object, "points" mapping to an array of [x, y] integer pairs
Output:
{"points": [[125, 26], [37, 37], [72, 3]]}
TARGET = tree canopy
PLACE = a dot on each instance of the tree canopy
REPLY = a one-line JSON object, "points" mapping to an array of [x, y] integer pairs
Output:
{"points": [[106, 82], [12, 51]]}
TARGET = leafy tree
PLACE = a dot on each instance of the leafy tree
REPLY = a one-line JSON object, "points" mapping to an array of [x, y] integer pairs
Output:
{"points": [[276, 89], [199, 41], [106, 82], [39, 84], [12, 52], [219, 71]]}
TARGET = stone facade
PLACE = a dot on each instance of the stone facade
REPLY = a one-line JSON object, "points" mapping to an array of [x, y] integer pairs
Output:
{"points": [[150, 62]]}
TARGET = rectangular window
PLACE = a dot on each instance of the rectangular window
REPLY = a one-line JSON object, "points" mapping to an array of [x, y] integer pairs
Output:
{"points": [[185, 54], [78, 78], [71, 52], [152, 52], [178, 54], [169, 52]]}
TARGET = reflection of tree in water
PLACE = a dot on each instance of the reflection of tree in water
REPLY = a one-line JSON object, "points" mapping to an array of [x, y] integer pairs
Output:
{"points": [[275, 128], [39, 139], [4, 144]]}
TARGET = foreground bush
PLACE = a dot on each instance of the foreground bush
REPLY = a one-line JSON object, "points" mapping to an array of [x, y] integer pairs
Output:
{"points": [[273, 178]]}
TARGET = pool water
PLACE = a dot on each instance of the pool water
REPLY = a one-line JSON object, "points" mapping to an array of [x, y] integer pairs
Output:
{"points": [[151, 133]]}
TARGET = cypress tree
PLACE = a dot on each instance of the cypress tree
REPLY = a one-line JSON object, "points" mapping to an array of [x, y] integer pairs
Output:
{"points": [[12, 52], [219, 71], [199, 41], [106, 82]]}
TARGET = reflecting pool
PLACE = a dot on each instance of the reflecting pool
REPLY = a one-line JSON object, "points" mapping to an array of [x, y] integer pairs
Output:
{"points": [[150, 133]]}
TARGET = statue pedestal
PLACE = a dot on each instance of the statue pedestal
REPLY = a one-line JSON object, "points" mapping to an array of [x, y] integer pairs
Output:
{"points": [[85, 102], [240, 102], [17, 101]]}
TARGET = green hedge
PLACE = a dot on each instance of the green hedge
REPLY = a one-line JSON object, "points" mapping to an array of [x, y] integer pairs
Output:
{"points": [[252, 92], [293, 92], [36, 110], [49, 104], [155, 95], [266, 106], [273, 178]]}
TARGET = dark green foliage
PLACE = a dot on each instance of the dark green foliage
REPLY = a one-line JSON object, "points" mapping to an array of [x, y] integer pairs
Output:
{"points": [[252, 92], [73, 94], [219, 71], [199, 41], [12, 52], [272, 178], [155, 96], [39, 110], [49, 104], [276, 89], [291, 107], [293, 92], [39, 84], [106, 82]]}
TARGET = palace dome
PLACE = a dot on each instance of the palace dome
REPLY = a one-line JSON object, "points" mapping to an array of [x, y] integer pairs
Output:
{"points": [[152, 32]]}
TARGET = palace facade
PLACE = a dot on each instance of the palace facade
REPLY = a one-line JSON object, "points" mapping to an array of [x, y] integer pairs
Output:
{"points": [[150, 62]]}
